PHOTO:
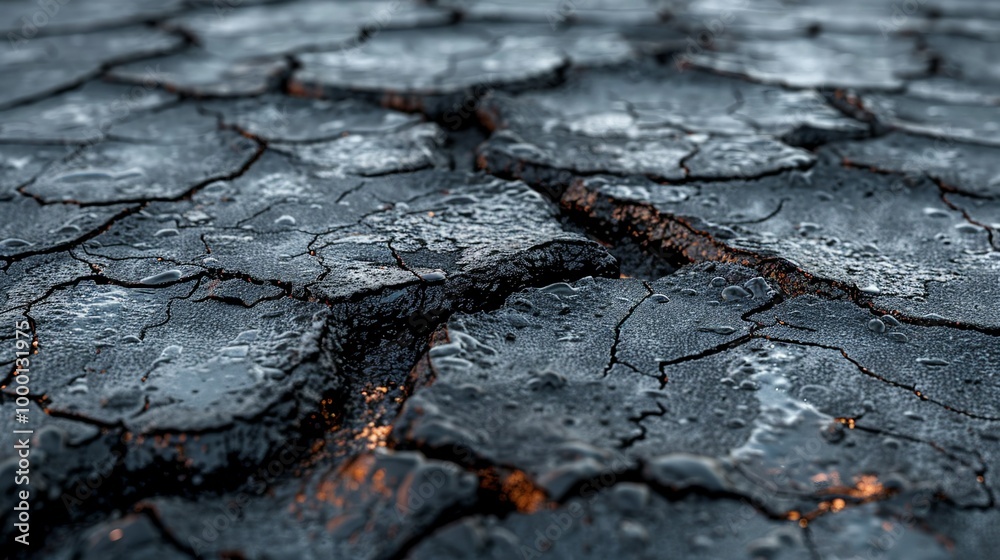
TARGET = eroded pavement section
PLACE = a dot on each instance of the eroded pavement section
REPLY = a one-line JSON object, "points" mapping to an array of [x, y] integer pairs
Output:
{"points": [[484, 279]]}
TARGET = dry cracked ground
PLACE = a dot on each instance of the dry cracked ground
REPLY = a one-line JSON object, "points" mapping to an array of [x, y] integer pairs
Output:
{"points": [[501, 279]]}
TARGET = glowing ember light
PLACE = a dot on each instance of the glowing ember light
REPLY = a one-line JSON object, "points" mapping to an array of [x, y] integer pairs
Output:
{"points": [[826, 480], [375, 394], [376, 436], [849, 422], [514, 487], [522, 492], [867, 487]]}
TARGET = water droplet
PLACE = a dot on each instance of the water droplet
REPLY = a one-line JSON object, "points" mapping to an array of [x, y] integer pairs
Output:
{"points": [[461, 199], [79, 386], [197, 216], [633, 532], [871, 290], [518, 322], [659, 298], [246, 337], [285, 220], [237, 352], [890, 321], [703, 542], [170, 352], [559, 289], [433, 277], [83, 176], [722, 329], [898, 337], [69, 228], [718, 282], [967, 228], [680, 470], [736, 423], [748, 385], [445, 350], [758, 287], [932, 361], [162, 278], [167, 232], [935, 213], [772, 545], [689, 292], [14, 243], [547, 380], [734, 293], [876, 326], [808, 227], [131, 339], [630, 496]]}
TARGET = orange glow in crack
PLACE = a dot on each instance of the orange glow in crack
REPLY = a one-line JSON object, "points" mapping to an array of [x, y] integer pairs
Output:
{"points": [[375, 436]]}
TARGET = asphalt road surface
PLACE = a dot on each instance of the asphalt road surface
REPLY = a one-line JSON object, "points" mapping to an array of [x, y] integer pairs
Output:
{"points": [[503, 279]]}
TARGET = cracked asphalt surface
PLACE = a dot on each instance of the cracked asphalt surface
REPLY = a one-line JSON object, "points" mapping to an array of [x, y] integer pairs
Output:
{"points": [[502, 279]]}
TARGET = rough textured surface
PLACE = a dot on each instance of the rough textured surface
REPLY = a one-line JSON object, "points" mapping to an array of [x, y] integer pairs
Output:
{"points": [[618, 121], [500, 279], [890, 242], [79, 116], [868, 61], [46, 65], [966, 168]]}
